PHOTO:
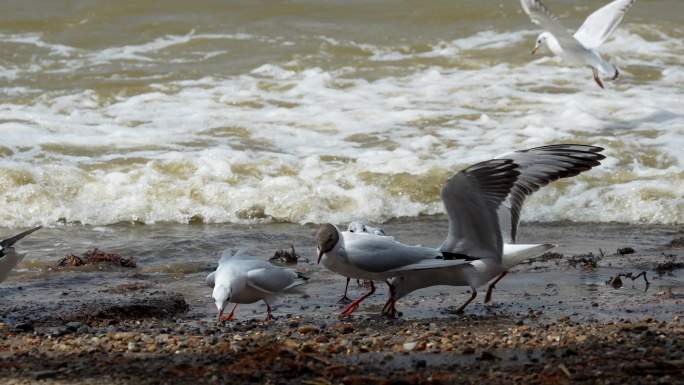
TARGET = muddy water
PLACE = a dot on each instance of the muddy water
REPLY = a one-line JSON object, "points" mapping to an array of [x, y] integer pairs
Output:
{"points": [[174, 259]]}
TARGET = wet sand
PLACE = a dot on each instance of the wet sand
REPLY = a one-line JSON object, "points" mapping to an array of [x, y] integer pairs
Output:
{"points": [[552, 321]]}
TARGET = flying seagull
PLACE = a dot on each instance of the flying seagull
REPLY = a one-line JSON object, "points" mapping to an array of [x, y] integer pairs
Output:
{"points": [[582, 47]]}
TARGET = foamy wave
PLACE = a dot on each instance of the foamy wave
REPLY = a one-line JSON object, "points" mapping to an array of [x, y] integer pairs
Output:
{"points": [[304, 143]]}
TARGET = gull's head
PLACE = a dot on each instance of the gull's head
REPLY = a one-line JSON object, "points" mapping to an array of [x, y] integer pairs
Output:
{"points": [[543, 38], [221, 296], [356, 227], [403, 285], [326, 239]]}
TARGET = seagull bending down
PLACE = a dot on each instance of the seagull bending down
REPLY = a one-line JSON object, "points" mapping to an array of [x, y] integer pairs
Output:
{"points": [[8, 256], [475, 193], [582, 47], [243, 279], [537, 167]]}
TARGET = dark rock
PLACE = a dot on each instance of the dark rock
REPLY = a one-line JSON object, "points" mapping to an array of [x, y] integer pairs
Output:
{"points": [[487, 356], [625, 250], [74, 325], [44, 374], [151, 306], [23, 327]]}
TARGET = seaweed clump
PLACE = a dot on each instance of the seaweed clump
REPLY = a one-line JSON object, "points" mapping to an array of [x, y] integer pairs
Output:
{"points": [[96, 256]]}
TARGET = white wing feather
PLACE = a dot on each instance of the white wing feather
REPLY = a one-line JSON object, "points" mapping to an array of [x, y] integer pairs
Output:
{"points": [[601, 24]]}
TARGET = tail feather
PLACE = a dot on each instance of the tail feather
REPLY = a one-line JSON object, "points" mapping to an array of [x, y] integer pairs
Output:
{"points": [[295, 286]]}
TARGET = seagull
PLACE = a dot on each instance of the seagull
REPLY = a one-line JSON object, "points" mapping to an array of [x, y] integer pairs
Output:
{"points": [[243, 279], [580, 48], [358, 227], [475, 193], [537, 167], [8, 256]]}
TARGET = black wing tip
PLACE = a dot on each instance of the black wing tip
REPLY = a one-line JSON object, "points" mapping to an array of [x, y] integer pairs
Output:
{"points": [[11, 241]]}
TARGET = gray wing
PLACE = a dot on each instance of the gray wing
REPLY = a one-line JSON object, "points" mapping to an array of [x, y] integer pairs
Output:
{"points": [[271, 279], [471, 198], [379, 254], [541, 16], [538, 167], [601, 24]]}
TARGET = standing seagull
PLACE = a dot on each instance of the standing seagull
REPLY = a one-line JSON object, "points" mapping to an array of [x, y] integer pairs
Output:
{"points": [[475, 193], [538, 167], [358, 227], [242, 279], [580, 48], [8, 256]]}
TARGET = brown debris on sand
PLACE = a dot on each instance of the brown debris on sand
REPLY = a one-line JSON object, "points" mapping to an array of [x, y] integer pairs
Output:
{"points": [[616, 282], [668, 266], [96, 256], [677, 243], [585, 261], [289, 257]]}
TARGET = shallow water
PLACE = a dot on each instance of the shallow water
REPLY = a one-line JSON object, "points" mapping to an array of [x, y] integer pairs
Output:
{"points": [[176, 258], [303, 111]]}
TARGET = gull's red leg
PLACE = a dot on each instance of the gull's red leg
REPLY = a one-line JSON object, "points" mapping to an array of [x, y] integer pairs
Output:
{"points": [[389, 310], [269, 316], [472, 297], [488, 297], [230, 316], [354, 305], [344, 298], [597, 79]]}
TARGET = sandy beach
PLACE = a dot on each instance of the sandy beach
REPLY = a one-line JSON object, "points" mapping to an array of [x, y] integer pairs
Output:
{"points": [[555, 320]]}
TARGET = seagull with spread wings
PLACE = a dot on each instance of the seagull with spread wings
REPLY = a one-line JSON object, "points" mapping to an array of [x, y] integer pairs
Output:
{"points": [[475, 193], [537, 167]]}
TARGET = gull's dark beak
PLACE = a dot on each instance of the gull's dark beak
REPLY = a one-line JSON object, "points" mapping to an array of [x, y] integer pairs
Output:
{"points": [[220, 314], [534, 50], [320, 255], [11, 241]]}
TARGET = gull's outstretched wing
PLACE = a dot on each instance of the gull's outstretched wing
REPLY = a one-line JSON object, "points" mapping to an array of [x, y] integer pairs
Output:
{"points": [[272, 279], [538, 167], [541, 16], [472, 198], [600, 24]]}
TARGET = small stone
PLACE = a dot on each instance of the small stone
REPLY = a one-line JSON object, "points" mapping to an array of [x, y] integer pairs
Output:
{"points": [[409, 346], [306, 329]]}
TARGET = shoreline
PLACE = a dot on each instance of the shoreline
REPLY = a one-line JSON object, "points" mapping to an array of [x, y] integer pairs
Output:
{"points": [[553, 320]]}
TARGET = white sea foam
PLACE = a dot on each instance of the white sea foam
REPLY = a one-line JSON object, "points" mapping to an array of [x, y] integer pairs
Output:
{"points": [[292, 141]]}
